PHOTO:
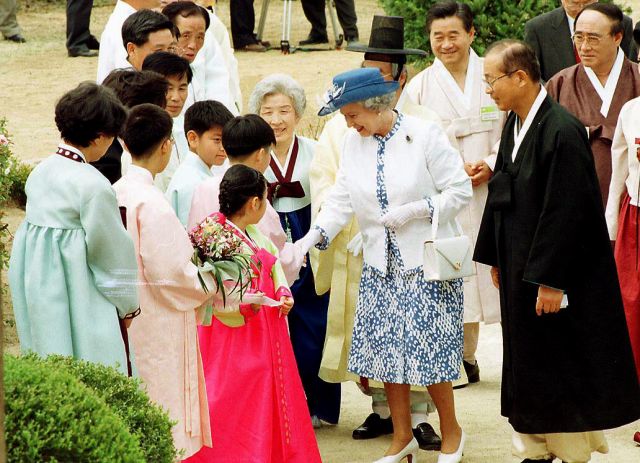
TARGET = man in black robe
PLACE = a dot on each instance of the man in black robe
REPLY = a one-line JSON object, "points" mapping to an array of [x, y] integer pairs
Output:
{"points": [[568, 371]]}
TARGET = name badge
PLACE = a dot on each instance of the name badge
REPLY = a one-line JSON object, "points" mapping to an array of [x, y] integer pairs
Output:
{"points": [[489, 113]]}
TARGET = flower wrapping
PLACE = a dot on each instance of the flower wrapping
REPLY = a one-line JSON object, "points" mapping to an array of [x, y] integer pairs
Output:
{"points": [[220, 252]]}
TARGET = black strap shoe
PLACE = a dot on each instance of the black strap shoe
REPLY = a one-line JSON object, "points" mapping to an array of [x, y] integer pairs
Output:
{"points": [[313, 40], [427, 437], [473, 372], [17, 38], [372, 427], [529, 460], [84, 52]]}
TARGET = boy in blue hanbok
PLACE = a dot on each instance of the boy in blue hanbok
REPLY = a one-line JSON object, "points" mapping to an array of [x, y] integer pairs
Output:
{"points": [[203, 124]]}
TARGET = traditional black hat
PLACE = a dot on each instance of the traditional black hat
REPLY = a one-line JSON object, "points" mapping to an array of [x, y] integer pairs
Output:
{"points": [[387, 38]]}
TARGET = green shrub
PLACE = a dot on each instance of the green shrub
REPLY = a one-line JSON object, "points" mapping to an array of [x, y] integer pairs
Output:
{"points": [[494, 20], [53, 417], [147, 422]]}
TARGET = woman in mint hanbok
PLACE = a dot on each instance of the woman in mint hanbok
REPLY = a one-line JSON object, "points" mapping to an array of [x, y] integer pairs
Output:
{"points": [[73, 268]]}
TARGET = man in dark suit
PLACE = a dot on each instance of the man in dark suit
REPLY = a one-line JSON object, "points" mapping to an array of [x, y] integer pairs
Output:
{"points": [[550, 37], [80, 42]]}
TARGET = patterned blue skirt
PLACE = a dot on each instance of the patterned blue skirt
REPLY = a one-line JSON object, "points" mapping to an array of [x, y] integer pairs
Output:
{"points": [[407, 330]]}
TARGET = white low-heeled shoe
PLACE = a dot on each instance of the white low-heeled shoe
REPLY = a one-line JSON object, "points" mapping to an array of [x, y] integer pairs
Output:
{"points": [[410, 451], [455, 457]]}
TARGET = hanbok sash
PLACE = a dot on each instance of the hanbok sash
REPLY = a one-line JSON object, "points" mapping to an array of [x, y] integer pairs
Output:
{"points": [[283, 186]]}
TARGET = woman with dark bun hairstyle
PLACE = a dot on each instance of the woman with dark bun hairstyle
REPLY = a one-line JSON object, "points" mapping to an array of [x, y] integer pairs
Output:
{"points": [[251, 373]]}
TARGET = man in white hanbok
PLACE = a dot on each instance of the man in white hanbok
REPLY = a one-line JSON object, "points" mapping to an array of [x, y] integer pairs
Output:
{"points": [[453, 87]]}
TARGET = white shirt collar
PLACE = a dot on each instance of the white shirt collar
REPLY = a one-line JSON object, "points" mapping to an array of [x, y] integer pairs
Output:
{"points": [[73, 149], [572, 23], [197, 162], [606, 91], [518, 136], [466, 94]]}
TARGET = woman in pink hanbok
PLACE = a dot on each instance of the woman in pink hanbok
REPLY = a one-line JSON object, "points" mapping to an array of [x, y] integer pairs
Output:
{"points": [[256, 401]]}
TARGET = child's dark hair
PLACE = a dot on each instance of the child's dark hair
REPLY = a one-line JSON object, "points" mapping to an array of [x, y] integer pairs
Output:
{"points": [[134, 88], [147, 127], [137, 27], [204, 115], [168, 65], [186, 10], [88, 111], [244, 135], [239, 184]]}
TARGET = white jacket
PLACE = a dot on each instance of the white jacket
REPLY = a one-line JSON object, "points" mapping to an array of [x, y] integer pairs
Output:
{"points": [[419, 163]]}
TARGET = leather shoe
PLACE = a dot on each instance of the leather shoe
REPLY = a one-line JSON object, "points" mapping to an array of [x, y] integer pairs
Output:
{"points": [[529, 460], [427, 437], [84, 52], [255, 47], [92, 43], [373, 426], [17, 38], [473, 371], [313, 40]]}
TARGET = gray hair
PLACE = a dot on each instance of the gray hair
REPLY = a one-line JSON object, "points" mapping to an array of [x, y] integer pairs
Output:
{"points": [[380, 102], [274, 84]]}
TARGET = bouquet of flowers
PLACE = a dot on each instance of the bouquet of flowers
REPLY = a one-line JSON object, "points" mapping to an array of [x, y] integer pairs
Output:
{"points": [[221, 253]]}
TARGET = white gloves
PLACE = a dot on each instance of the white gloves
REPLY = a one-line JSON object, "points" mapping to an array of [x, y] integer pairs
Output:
{"points": [[400, 215], [355, 245], [308, 241]]}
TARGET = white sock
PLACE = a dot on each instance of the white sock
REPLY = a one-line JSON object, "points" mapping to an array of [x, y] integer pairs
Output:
{"points": [[417, 418]]}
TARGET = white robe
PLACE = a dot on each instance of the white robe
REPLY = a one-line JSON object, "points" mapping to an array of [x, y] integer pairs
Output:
{"points": [[477, 140], [112, 54]]}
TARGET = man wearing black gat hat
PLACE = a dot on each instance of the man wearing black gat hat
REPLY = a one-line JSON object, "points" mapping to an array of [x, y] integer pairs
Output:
{"points": [[386, 52]]}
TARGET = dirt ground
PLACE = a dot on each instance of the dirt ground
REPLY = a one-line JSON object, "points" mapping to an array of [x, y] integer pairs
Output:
{"points": [[34, 75]]}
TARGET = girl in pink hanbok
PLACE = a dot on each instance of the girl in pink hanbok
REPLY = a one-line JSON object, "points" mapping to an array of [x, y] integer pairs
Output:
{"points": [[256, 401]]}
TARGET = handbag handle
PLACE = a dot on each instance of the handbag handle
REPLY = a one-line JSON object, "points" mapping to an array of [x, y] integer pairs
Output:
{"points": [[435, 221]]}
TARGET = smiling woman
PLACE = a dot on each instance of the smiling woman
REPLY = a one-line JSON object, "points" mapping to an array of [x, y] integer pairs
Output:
{"points": [[281, 102]]}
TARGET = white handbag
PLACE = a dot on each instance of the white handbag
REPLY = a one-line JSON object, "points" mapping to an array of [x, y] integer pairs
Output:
{"points": [[447, 258]]}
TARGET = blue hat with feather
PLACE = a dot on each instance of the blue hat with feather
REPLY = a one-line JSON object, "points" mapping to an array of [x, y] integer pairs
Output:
{"points": [[353, 86]]}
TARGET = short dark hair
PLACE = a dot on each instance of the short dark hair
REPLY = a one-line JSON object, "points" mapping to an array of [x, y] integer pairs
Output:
{"points": [[147, 127], [87, 111], [137, 87], [611, 11], [204, 115], [137, 27], [516, 56], [186, 10], [447, 9], [244, 135], [239, 184], [168, 65]]}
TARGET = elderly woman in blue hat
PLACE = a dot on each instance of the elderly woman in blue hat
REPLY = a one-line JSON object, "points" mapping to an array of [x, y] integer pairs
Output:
{"points": [[396, 171]]}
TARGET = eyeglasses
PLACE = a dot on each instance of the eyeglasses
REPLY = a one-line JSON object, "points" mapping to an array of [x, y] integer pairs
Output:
{"points": [[172, 140], [593, 40], [489, 83]]}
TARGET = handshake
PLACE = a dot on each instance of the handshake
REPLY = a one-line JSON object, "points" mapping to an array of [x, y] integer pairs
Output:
{"points": [[393, 218]]}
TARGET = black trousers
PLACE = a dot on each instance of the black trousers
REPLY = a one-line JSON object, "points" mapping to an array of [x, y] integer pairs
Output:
{"points": [[315, 13], [78, 18], [243, 21]]}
